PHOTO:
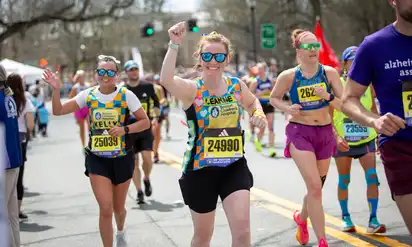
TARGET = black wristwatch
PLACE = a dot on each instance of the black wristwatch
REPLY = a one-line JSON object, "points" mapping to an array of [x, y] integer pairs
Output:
{"points": [[126, 130], [331, 98]]}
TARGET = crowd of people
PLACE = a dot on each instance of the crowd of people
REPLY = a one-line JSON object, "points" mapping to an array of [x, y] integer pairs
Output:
{"points": [[330, 115]]}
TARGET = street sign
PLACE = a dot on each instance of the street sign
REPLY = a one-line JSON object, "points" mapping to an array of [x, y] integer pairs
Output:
{"points": [[268, 36]]}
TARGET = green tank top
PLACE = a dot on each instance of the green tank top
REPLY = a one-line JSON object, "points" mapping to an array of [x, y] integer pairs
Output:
{"points": [[352, 132]]}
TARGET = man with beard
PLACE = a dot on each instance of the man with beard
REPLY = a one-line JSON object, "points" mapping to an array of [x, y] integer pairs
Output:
{"points": [[143, 141], [390, 72]]}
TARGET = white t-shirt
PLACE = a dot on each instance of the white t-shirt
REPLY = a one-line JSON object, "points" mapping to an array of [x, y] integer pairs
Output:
{"points": [[29, 107], [132, 101], [79, 88]]}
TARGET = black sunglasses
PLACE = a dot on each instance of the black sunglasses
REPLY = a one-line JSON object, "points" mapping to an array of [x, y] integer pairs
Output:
{"points": [[208, 56]]}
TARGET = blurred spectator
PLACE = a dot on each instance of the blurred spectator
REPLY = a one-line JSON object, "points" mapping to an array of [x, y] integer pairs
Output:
{"points": [[8, 116], [3, 216]]}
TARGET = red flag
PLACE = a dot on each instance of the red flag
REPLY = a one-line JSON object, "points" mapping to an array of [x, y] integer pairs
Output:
{"points": [[326, 56]]}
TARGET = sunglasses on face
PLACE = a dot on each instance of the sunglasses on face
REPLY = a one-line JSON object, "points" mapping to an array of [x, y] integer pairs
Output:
{"points": [[208, 56], [309, 47], [109, 72]]}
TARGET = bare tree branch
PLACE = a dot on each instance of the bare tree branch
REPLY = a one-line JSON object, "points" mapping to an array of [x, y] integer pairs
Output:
{"points": [[61, 14]]}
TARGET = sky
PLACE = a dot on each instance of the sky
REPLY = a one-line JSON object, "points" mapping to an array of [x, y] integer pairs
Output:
{"points": [[182, 5]]}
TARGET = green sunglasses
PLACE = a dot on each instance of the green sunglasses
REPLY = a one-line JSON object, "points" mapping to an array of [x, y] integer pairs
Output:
{"points": [[308, 47]]}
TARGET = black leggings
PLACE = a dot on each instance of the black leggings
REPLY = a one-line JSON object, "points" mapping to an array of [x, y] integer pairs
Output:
{"points": [[20, 187]]}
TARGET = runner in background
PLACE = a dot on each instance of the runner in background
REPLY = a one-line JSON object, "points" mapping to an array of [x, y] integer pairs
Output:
{"points": [[143, 141], [249, 79], [164, 106], [309, 134], [262, 87], [82, 114], [389, 70], [157, 129], [356, 142]]}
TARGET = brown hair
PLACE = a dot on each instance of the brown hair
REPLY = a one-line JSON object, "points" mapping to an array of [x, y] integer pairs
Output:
{"points": [[297, 35], [212, 37], [15, 82]]}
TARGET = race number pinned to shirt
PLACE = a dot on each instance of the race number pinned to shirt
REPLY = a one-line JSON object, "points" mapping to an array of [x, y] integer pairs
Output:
{"points": [[407, 101], [223, 111], [307, 96], [103, 144], [222, 147], [354, 132]]}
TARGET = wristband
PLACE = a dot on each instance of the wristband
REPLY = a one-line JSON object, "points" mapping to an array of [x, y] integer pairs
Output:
{"points": [[173, 46], [258, 113], [331, 98]]}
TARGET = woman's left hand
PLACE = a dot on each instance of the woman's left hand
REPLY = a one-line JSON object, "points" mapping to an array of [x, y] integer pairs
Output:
{"points": [[258, 120], [117, 131], [320, 92]]}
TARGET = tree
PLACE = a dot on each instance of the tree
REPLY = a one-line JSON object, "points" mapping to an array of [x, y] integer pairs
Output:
{"points": [[17, 16], [345, 22]]}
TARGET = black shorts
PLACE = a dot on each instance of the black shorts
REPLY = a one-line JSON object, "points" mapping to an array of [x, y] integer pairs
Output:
{"points": [[268, 108], [118, 170], [359, 151], [164, 113], [143, 141], [201, 188]]}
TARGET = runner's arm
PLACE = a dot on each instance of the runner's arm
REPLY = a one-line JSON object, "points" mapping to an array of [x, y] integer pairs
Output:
{"points": [[72, 92], [374, 107], [283, 84], [336, 84], [352, 106], [249, 101], [156, 104], [182, 89], [142, 120], [69, 106]]}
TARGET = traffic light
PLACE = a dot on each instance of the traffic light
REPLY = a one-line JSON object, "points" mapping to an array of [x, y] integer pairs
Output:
{"points": [[192, 23], [147, 30]]}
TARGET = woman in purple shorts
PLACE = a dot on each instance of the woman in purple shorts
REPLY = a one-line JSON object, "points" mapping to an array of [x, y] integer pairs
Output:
{"points": [[82, 114], [310, 140]]}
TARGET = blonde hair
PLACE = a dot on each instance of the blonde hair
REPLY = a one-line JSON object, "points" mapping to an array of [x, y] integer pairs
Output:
{"points": [[78, 73], [262, 65], [213, 37]]}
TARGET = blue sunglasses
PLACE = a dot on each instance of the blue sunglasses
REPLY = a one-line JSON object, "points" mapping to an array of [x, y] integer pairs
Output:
{"points": [[109, 72], [208, 56]]}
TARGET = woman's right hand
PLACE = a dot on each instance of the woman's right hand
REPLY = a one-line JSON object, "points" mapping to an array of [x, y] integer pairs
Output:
{"points": [[343, 145], [294, 110], [51, 78], [177, 33]]}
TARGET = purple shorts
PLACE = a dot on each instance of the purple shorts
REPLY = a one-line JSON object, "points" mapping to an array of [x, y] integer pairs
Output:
{"points": [[396, 157], [319, 140], [82, 113]]}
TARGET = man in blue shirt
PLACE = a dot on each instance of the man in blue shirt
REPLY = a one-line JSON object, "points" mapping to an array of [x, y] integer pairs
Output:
{"points": [[8, 116], [390, 72]]}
